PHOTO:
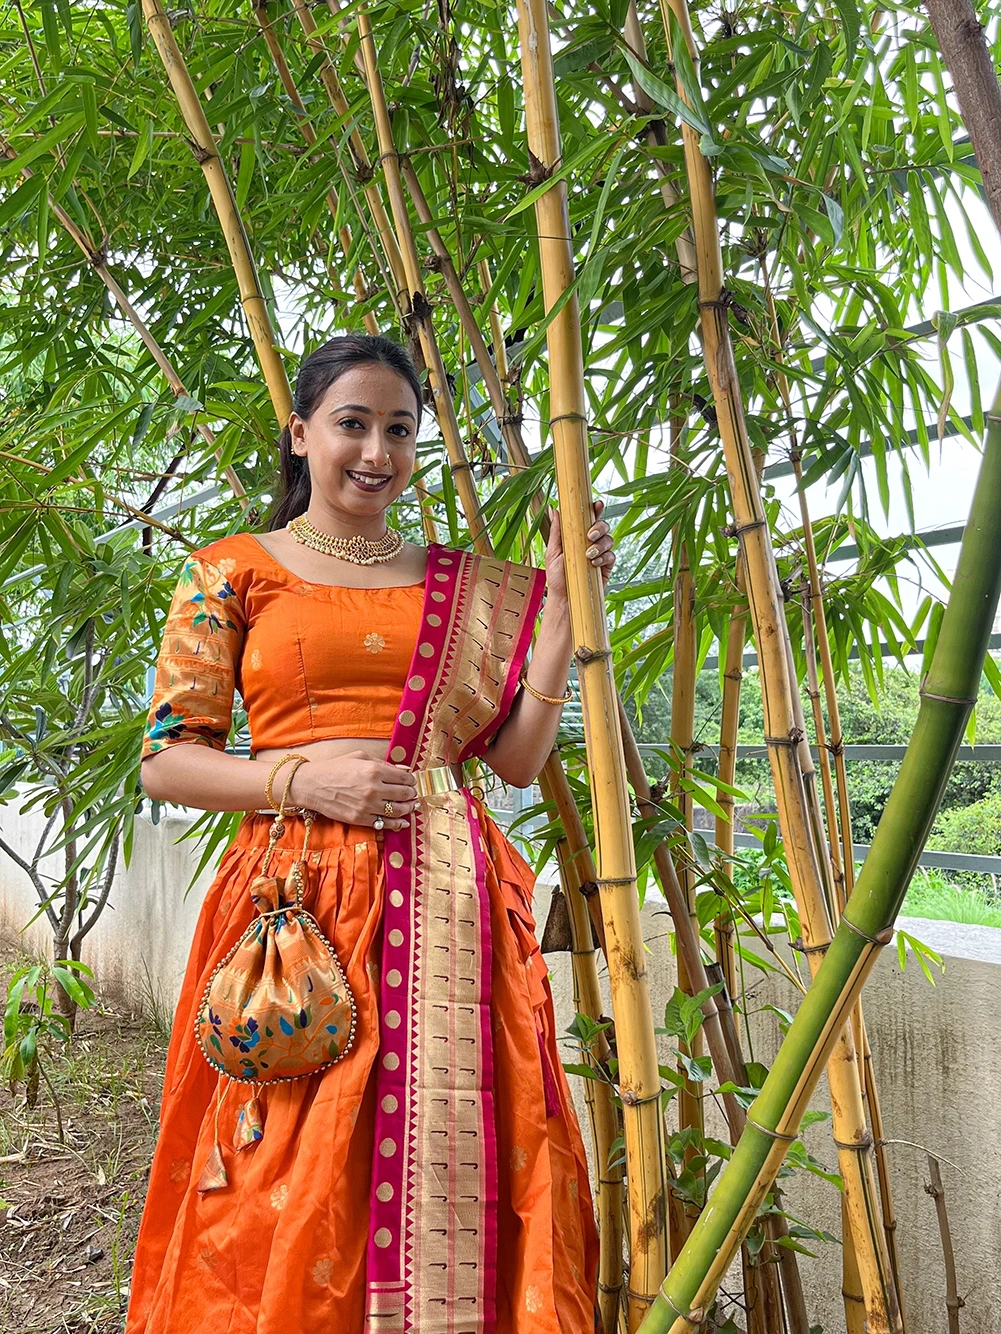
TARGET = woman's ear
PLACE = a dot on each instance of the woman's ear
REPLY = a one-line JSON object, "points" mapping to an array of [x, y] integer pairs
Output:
{"points": [[297, 432]]}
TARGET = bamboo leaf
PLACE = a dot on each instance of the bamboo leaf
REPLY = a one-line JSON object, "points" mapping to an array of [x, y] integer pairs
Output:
{"points": [[666, 97], [144, 145]]}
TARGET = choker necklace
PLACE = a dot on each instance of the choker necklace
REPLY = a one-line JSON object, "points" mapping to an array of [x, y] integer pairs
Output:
{"points": [[358, 550]]}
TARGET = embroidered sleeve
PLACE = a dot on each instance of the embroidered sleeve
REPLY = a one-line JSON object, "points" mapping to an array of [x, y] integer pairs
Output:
{"points": [[197, 665]]}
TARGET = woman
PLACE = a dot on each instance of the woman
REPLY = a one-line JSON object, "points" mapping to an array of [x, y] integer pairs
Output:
{"points": [[434, 1178]]}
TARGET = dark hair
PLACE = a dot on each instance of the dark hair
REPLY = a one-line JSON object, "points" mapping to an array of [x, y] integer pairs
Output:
{"points": [[316, 374]]}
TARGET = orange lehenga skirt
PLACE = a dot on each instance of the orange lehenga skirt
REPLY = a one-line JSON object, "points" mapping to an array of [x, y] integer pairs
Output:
{"points": [[282, 1250]]}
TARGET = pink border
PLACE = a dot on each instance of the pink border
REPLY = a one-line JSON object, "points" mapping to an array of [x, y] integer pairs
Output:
{"points": [[389, 1282], [479, 743], [488, 1133]]}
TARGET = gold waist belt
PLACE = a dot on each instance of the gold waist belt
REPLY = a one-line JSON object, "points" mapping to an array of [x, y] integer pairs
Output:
{"points": [[446, 778]]}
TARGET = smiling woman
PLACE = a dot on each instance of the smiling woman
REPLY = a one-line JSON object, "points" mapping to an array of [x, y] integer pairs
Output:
{"points": [[428, 1159]]}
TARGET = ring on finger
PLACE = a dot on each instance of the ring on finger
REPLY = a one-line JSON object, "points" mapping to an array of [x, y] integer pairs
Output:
{"points": [[389, 809], [379, 822]]}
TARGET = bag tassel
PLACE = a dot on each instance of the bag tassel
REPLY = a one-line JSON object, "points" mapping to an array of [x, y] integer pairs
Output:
{"points": [[249, 1124], [214, 1175]]}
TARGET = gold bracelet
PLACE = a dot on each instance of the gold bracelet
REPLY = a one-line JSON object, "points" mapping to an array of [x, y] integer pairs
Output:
{"points": [[298, 762], [546, 699], [271, 778]]}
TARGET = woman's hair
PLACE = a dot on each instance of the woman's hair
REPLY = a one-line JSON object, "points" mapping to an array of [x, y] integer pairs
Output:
{"points": [[316, 374]]}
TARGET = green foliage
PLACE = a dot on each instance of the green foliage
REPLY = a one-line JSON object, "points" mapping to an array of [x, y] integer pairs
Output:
{"points": [[33, 1028]]}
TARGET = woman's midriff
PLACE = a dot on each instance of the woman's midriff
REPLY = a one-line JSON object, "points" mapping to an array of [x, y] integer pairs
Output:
{"points": [[374, 747]]}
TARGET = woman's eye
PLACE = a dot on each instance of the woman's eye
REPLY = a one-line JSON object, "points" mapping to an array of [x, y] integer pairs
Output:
{"points": [[349, 421], [401, 430]]}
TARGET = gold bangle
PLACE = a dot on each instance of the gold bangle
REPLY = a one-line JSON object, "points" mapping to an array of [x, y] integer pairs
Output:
{"points": [[271, 778], [298, 762], [546, 699]]}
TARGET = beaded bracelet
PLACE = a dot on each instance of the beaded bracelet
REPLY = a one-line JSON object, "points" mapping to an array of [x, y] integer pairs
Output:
{"points": [[546, 699]]}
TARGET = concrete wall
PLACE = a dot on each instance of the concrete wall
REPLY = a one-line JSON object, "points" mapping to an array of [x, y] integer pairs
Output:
{"points": [[937, 1052]]}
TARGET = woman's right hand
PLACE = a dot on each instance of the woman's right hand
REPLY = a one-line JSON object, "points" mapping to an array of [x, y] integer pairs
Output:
{"points": [[354, 788]]}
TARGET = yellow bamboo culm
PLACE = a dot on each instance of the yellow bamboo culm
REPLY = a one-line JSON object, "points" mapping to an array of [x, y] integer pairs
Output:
{"points": [[690, 1115], [207, 154], [783, 727], [416, 303], [616, 870], [370, 190], [577, 855], [576, 872], [260, 8]]}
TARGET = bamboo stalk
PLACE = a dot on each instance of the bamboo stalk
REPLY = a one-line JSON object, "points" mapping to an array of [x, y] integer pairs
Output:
{"points": [[953, 1302], [370, 190], [576, 870], [98, 260], [204, 148], [577, 854], [726, 768], [638, 1074], [509, 425], [948, 694], [836, 746], [686, 930], [690, 1111], [765, 1277], [791, 763], [260, 8], [416, 302], [656, 137], [496, 332]]}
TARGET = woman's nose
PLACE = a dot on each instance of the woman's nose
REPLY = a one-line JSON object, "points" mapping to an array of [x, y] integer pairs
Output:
{"points": [[374, 451]]}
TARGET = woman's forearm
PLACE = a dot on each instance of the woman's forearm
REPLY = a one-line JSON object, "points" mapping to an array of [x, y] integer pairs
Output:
{"points": [[525, 740], [207, 779]]}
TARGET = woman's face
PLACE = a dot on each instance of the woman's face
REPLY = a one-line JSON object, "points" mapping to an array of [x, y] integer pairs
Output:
{"points": [[361, 441]]}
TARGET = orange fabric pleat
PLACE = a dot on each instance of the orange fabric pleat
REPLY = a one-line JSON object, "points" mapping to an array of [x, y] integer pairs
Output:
{"points": [[281, 1249]]}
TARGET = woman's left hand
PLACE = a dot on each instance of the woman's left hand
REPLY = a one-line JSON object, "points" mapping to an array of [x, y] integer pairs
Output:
{"points": [[599, 553]]}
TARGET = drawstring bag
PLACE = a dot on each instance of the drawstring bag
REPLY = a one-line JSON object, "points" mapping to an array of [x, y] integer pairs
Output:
{"points": [[278, 1006]]}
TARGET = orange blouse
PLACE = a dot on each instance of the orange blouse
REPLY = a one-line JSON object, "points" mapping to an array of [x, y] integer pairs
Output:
{"points": [[310, 661]]}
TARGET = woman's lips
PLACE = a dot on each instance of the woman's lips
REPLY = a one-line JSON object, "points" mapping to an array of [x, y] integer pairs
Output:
{"points": [[368, 481]]}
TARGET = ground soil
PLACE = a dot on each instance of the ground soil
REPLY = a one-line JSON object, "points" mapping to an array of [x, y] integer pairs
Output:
{"points": [[69, 1211]]}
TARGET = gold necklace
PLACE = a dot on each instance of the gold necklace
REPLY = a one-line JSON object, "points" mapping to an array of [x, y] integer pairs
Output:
{"points": [[357, 549]]}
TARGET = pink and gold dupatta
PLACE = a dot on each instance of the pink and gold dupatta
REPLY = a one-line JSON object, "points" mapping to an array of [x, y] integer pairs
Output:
{"points": [[432, 1247]]}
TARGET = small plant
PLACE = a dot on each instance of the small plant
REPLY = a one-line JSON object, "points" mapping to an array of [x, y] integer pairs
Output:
{"points": [[33, 1028]]}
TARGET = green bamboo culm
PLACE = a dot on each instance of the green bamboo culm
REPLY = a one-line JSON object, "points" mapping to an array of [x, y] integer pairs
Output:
{"points": [[948, 694]]}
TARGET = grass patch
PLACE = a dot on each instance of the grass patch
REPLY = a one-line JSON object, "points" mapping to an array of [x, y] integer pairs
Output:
{"points": [[931, 895]]}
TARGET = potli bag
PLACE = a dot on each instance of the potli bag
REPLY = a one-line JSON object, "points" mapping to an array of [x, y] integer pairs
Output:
{"points": [[278, 1006]]}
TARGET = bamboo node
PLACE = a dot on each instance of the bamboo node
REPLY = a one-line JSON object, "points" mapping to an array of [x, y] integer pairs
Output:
{"points": [[420, 310], [537, 171], [631, 1100], [802, 948], [510, 419], [567, 417], [202, 155], [585, 654], [738, 529], [771, 1134], [618, 880], [588, 889], [881, 938], [945, 699], [793, 738], [856, 1146]]}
